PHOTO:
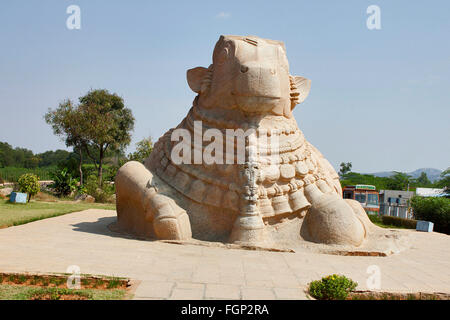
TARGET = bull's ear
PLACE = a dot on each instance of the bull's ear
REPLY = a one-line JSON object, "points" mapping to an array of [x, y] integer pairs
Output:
{"points": [[195, 77], [299, 89]]}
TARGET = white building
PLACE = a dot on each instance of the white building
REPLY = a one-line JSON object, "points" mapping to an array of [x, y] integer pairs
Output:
{"points": [[429, 192]]}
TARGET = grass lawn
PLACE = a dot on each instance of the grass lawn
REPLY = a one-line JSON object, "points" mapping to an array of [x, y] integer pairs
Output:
{"points": [[13, 214], [54, 287], [17, 292]]}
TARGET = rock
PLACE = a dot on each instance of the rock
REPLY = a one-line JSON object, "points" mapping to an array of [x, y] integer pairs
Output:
{"points": [[89, 199], [6, 191], [79, 197], [85, 198]]}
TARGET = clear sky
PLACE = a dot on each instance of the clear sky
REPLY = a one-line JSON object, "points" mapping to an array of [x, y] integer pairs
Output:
{"points": [[379, 98]]}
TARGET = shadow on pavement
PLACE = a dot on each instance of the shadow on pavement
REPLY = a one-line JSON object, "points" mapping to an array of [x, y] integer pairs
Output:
{"points": [[105, 226]]}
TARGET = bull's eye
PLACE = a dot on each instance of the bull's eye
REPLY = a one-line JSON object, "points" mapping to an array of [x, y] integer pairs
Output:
{"points": [[244, 69]]}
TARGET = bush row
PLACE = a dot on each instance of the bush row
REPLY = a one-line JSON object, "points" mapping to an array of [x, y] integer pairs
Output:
{"points": [[399, 222]]}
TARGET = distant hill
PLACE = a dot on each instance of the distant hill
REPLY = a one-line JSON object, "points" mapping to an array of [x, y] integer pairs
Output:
{"points": [[432, 173]]}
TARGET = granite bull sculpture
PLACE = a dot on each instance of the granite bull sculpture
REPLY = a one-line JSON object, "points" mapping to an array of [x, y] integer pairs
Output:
{"points": [[247, 87]]}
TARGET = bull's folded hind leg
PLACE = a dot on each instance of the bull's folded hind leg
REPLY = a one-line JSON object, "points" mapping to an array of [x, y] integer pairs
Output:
{"points": [[142, 210]]}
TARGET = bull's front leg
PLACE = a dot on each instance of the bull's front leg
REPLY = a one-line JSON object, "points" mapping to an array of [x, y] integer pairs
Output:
{"points": [[143, 211]]}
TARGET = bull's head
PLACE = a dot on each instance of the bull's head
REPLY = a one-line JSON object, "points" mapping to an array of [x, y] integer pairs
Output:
{"points": [[251, 74]]}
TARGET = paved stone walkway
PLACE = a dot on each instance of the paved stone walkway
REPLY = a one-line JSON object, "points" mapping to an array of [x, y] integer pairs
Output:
{"points": [[170, 271]]}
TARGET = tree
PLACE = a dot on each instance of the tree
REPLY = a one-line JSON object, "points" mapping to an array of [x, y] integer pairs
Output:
{"points": [[68, 122], [345, 168], [354, 178], [143, 150], [399, 181], [423, 180], [445, 172], [6, 155], [53, 158], [18, 157], [444, 182], [29, 183], [107, 125], [100, 123], [434, 209]]}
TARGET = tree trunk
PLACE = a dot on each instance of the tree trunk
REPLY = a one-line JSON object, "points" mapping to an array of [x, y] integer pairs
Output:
{"points": [[100, 168], [90, 156], [80, 165]]}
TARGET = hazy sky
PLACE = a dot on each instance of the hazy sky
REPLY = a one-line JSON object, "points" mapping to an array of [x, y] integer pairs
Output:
{"points": [[379, 98]]}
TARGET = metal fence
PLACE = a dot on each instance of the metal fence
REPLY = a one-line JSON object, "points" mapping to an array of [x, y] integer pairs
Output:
{"points": [[395, 210]]}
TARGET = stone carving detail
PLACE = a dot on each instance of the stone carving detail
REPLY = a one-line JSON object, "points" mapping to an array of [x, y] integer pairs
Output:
{"points": [[248, 86]]}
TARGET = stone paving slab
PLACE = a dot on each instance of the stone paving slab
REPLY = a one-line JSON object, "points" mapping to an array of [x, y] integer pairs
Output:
{"points": [[171, 271]]}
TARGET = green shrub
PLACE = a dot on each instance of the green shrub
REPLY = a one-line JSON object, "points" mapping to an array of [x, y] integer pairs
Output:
{"points": [[102, 193], [143, 150], [375, 218], [29, 183], [436, 210], [109, 172], [56, 294], [399, 222], [90, 170], [333, 287], [81, 189], [114, 283], [64, 184]]}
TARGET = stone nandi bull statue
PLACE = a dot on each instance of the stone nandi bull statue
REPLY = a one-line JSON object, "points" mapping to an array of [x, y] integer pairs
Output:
{"points": [[248, 86]]}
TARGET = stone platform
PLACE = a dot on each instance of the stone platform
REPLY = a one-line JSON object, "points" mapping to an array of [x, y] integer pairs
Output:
{"points": [[173, 271]]}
